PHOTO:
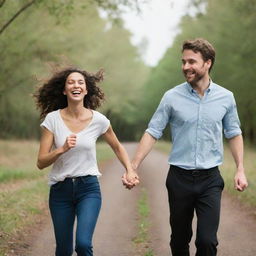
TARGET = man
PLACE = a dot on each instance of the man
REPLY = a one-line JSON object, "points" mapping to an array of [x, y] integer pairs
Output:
{"points": [[198, 111]]}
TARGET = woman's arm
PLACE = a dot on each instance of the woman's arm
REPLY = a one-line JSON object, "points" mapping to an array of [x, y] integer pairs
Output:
{"points": [[46, 156], [122, 155]]}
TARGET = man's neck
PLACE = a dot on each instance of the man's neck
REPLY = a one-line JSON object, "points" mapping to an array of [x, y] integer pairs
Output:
{"points": [[201, 85]]}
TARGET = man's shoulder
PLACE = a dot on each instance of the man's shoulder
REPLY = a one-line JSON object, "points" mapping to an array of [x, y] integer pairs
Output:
{"points": [[176, 89], [222, 89]]}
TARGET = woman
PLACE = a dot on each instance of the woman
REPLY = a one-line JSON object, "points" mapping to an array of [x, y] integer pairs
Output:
{"points": [[69, 133]]}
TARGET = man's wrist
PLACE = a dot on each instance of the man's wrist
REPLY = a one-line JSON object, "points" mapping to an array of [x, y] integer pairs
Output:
{"points": [[240, 168], [135, 165]]}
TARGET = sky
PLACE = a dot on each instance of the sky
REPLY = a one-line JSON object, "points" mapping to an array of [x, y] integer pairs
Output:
{"points": [[156, 27]]}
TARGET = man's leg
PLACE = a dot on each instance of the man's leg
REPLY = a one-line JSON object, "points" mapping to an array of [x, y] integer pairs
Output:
{"points": [[181, 202], [208, 214]]}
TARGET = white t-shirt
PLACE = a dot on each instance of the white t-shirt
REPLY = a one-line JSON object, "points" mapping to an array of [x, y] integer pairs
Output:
{"points": [[80, 160]]}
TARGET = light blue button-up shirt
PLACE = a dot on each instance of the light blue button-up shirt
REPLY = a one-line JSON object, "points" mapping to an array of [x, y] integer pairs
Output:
{"points": [[196, 124]]}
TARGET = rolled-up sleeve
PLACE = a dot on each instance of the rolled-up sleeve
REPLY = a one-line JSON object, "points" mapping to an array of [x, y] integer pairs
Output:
{"points": [[231, 123], [160, 118]]}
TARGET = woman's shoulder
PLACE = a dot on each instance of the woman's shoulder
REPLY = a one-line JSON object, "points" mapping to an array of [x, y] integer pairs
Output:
{"points": [[52, 114], [99, 117], [97, 114]]}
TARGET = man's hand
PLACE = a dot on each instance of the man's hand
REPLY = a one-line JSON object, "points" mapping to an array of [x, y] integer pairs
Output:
{"points": [[240, 180], [130, 179]]}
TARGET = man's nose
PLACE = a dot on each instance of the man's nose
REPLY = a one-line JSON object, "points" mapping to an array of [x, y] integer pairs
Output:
{"points": [[186, 66]]}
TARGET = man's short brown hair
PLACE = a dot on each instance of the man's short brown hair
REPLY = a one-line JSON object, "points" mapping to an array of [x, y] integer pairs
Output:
{"points": [[203, 46]]}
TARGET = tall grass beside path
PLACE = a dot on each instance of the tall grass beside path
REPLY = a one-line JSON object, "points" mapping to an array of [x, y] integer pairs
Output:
{"points": [[24, 191], [228, 172]]}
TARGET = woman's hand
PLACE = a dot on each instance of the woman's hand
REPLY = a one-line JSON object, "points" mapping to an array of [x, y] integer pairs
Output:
{"points": [[130, 179], [47, 156], [133, 177], [69, 143]]}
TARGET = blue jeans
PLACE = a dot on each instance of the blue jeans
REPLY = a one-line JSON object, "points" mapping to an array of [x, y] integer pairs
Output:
{"points": [[75, 197]]}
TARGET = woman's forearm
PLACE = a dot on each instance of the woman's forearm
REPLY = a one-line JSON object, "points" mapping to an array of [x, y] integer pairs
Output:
{"points": [[123, 157], [45, 160]]}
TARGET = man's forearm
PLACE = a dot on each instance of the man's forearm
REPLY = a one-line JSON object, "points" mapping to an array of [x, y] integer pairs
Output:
{"points": [[237, 150], [146, 143]]}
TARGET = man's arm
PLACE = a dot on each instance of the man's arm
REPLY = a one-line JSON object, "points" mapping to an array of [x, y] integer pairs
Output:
{"points": [[154, 132], [145, 146], [146, 143], [237, 150]]}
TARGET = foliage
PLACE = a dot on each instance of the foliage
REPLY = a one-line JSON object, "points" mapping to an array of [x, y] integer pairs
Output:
{"points": [[61, 9]]}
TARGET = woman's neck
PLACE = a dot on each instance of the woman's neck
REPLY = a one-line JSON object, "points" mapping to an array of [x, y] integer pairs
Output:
{"points": [[75, 111]]}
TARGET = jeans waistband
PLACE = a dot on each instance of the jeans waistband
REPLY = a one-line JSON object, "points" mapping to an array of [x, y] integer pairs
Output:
{"points": [[77, 178], [195, 172]]}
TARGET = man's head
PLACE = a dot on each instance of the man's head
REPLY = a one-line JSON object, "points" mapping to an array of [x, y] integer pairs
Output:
{"points": [[198, 59], [203, 46]]}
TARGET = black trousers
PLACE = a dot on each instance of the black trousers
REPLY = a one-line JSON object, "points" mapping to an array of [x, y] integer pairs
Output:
{"points": [[189, 191]]}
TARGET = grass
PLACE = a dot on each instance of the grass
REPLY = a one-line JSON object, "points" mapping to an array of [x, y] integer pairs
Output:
{"points": [[23, 188], [142, 239], [228, 171], [7, 174]]}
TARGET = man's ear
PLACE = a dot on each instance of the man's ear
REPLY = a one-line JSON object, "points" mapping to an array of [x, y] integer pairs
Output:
{"points": [[209, 63]]}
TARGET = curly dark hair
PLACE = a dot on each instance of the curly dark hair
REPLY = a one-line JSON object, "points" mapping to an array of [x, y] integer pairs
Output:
{"points": [[50, 97]]}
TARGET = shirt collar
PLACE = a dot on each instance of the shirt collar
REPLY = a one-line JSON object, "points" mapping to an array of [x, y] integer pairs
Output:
{"points": [[208, 90]]}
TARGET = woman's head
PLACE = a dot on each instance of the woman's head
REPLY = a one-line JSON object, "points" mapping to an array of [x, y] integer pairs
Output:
{"points": [[52, 95]]}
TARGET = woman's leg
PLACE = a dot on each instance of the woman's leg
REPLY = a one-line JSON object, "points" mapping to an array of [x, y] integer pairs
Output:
{"points": [[63, 215], [87, 211]]}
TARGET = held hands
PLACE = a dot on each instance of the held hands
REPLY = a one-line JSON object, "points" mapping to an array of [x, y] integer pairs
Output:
{"points": [[69, 143], [130, 178], [240, 180]]}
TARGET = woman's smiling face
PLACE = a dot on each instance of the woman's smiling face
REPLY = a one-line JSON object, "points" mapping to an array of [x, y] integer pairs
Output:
{"points": [[75, 87]]}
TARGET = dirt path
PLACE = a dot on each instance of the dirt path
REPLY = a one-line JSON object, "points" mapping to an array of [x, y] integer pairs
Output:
{"points": [[118, 219]]}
